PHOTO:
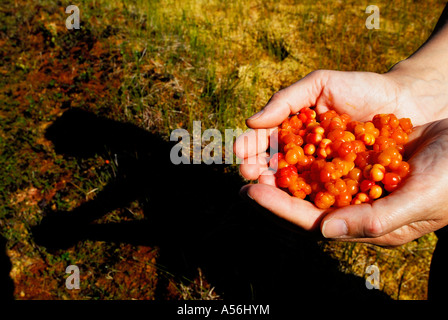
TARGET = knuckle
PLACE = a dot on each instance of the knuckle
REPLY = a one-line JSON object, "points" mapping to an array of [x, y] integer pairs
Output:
{"points": [[278, 96], [374, 227]]}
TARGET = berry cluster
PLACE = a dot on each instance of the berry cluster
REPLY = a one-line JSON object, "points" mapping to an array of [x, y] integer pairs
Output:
{"points": [[334, 161]]}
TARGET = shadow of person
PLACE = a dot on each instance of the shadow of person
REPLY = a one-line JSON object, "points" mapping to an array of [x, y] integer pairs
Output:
{"points": [[194, 214], [438, 282]]}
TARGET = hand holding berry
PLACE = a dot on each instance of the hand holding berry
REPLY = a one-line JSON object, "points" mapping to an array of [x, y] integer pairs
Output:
{"points": [[407, 213]]}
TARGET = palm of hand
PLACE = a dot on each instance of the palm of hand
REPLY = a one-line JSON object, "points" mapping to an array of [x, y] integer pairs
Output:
{"points": [[364, 94], [395, 219]]}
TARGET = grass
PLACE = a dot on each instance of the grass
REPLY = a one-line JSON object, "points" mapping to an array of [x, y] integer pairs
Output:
{"points": [[162, 65]]}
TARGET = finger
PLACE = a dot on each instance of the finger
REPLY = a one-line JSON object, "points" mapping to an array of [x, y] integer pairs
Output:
{"points": [[251, 168], [303, 93], [398, 237], [267, 177], [254, 142], [297, 211]]}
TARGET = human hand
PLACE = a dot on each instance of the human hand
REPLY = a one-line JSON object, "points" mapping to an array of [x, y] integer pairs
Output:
{"points": [[359, 94], [389, 221]]}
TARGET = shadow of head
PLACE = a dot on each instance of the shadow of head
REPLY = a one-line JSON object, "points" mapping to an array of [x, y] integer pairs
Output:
{"points": [[83, 134], [194, 215]]}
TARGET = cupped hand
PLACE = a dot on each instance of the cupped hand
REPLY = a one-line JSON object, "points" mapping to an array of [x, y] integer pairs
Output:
{"points": [[416, 208]]}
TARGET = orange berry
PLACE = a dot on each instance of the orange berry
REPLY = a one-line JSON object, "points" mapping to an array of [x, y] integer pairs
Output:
{"points": [[334, 161], [369, 126], [350, 157], [367, 138], [394, 163], [292, 138], [399, 136], [366, 185], [377, 172], [335, 134], [360, 198], [358, 146], [304, 161], [390, 187], [324, 200], [282, 164], [391, 178], [343, 199], [318, 130], [286, 125], [352, 186], [314, 138], [406, 125], [295, 122], [403, 169], [293, 155], [375, 192], [384, 159], [299, 194], [355, 174], [348, 136], [309, 149]]}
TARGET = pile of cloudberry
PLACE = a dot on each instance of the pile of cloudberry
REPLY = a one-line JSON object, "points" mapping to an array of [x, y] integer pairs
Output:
{"points": [[334, 161]]}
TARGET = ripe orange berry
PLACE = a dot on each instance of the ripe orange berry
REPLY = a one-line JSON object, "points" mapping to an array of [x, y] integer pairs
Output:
{"points": [[295, 122], [292, 138], [391, 178], [342, 162], [304, 161], [289, 146], [286, 125], [384, 159], [300, 194], [309, 149], [282, 164], [324, 200], [314, 138], [367, 138], [394, 163], [406, 125], [399, 136], [335, 134], [360, 198], [352, 186], [390, 187], [377, 172], [366, 185], [375, 192], [403, 169], [343, 199], [294, 155], [318, 130]]}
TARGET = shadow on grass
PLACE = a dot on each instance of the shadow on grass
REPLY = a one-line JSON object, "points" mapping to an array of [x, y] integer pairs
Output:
{"points": [[195, 215], [6, 284]]}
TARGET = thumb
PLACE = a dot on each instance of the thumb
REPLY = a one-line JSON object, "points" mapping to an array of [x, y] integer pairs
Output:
{"points": [[303, 93], [383, 216]]}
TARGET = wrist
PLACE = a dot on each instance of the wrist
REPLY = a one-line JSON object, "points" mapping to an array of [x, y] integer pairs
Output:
{"points": [[423, 84], [416, 68]]}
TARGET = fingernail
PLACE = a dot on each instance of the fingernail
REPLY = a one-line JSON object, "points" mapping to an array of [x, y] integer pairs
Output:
{"points": [[334, 228], [257, 115], [244, 192]]}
